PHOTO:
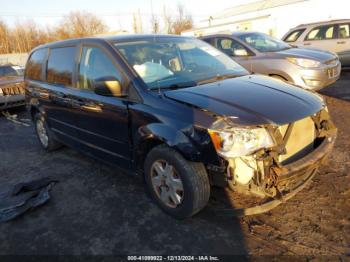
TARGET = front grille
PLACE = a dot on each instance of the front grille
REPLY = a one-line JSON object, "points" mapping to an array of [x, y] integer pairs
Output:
{"points": [[300, 141], [332, 72], [16, 89]]}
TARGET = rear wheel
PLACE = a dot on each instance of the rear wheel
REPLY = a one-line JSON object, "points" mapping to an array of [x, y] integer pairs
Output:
{"points": [[181, 188], [46, 138]]}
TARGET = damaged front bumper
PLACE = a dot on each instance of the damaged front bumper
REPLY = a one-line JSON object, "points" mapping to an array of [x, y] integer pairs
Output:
{"points": [[293, 178], [277, 182]]}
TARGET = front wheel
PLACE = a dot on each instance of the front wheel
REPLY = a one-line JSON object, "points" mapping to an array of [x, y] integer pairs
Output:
{"points": [[179, 187]]}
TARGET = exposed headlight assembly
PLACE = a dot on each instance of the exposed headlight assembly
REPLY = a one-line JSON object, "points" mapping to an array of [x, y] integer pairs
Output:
{"points": [[306, 63], [231, 141]]}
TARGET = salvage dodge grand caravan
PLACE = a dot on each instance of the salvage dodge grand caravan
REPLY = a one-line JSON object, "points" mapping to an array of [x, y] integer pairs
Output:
{"points": [[181, 113]]}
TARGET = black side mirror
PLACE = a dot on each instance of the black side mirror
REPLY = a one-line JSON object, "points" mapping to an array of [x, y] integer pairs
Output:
{"points": [[108, 86]]}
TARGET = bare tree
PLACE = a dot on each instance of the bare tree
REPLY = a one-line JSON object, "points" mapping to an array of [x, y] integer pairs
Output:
{"points": [[139, 21], [26, 35], [134, 23], [154, 21], [80, 24], [4, 38], [183, 20], [154, 24], [167, 20]]}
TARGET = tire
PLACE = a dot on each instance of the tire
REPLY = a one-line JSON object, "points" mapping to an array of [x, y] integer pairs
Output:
{"points": [[41, 126], [193, 177]]}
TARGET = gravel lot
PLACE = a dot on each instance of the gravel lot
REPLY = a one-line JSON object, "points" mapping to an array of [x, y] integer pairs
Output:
{"points": [[98, 209]]}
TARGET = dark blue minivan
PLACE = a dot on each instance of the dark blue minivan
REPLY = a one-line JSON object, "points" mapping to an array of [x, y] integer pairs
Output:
{"points": [[182, 114]]}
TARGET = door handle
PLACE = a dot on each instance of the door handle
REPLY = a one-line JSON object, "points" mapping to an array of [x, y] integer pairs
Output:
{"points": [[91, 107], [341, 42]]}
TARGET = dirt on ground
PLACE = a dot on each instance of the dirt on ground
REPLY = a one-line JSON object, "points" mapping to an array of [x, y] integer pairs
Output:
{"points": [[99, 210]]}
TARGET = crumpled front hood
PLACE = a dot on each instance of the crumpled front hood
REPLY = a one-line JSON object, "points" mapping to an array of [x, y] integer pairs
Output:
{"points": [[308, 53], [251, 100]]}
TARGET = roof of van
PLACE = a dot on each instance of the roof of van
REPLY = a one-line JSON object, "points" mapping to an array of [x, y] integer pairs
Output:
{"points": [[115, 38]]}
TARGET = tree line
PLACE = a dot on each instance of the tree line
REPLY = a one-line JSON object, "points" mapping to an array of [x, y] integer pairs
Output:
{"points": [[24, 36]]}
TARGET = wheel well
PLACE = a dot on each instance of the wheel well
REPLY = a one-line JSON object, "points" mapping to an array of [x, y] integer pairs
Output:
{"points": [[143, 149]]}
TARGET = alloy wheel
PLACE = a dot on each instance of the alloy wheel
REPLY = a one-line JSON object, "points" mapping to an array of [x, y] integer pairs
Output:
{"points": [[167, 183]]}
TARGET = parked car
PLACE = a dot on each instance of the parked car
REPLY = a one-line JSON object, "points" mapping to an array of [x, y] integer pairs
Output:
{"points": [[11, 86], [181, 113], [263, 54], [332, 35]]}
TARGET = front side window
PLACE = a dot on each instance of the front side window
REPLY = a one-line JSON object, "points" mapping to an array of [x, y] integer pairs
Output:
{"points": [[293, 36], [175, 62], [321, 33], [60, 65], [343, 31], [95, 65], [263, 42], [35, 64], [230, 47]]}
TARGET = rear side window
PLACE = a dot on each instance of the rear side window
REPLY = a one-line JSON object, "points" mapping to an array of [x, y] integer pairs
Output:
{"points": [[293, 36], [35, 65], [344, 31], [60, 65], [321, 33]]}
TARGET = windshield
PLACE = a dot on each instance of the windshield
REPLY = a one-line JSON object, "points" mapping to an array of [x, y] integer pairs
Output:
{"points": [[264, 43], [6, 71], [175, 62]]}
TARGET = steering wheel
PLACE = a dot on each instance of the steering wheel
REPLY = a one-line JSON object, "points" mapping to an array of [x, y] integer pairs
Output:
{"points": [[193, 68]]}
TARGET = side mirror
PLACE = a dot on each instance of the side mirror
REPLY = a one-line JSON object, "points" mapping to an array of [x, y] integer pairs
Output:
{"points": [[108, 86], [240, 52]]}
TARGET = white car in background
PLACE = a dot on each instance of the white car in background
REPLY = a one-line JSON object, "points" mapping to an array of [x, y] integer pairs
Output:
{"points": [[332, 36]]}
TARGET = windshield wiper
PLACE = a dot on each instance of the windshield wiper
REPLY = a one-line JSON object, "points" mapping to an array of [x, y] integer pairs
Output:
{"points": [[174, 86], [217, 78]]}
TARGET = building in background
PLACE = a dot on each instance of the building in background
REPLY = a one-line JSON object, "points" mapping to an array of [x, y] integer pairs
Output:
{"points": [[273, 17]]}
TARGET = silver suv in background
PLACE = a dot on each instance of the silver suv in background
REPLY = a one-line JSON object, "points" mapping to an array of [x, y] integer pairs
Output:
{"points": [[332, 35], [263, 54]]}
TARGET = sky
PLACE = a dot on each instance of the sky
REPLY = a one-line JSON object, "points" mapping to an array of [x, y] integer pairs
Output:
{"points": [[116, 13]]}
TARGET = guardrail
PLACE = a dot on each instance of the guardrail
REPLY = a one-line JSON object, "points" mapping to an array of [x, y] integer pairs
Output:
{"points": [[16, 59]]}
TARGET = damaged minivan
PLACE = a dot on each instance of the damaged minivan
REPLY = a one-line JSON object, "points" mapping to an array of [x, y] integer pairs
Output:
{"points": [[182, 114]]}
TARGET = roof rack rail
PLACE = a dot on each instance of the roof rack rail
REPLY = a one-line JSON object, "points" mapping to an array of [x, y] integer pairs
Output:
{"points": [[325, 21]]}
